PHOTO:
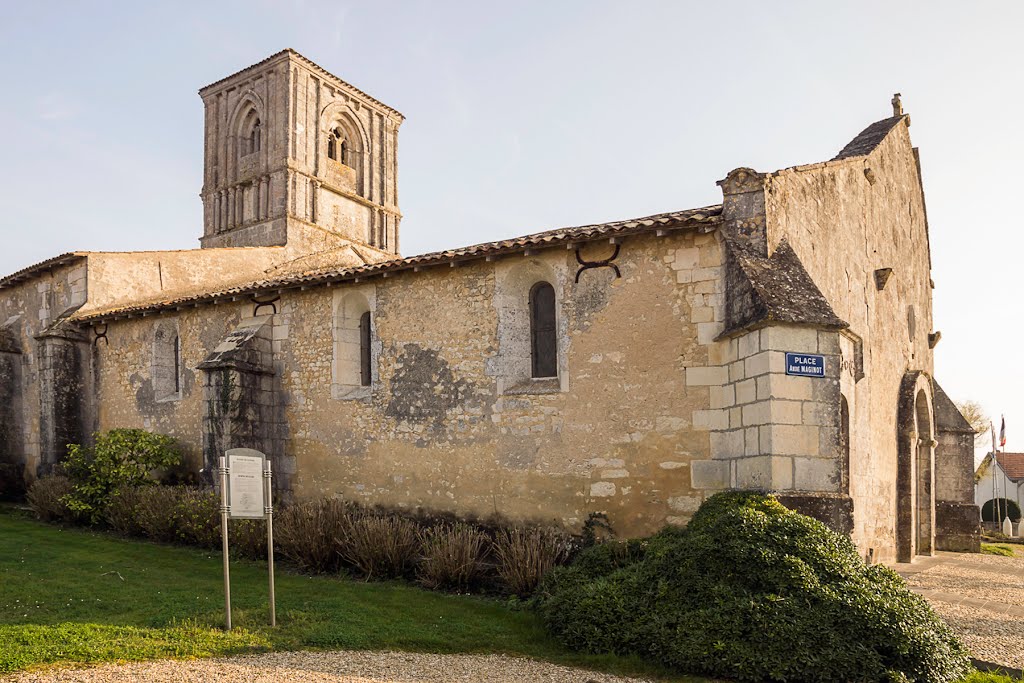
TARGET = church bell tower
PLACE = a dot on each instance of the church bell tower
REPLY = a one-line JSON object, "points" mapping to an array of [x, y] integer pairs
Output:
{"points": [[296, 157]]}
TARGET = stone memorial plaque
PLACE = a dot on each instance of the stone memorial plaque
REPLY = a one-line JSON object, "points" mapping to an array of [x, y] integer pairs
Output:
{"points": [[245, 485]]}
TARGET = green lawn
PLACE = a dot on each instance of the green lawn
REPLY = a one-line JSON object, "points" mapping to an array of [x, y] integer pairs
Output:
{"points": [[62, 599]]}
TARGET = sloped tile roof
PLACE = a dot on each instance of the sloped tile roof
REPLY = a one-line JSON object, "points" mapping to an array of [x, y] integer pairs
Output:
{"points": [[869, 138], [40, 268], [1012, 464], [707, 217]]}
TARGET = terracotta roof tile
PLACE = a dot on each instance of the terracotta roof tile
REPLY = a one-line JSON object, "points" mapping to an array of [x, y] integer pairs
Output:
{"points": [[1012, 464], [40, 268], [692, 218]]}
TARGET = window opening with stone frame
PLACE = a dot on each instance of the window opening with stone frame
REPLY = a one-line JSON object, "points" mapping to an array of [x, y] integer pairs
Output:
{"points": [[167, 365], [251, 134], [177, 364], [353, 356], [365, 376], [254, 138], [337, 147], [543, 331]]}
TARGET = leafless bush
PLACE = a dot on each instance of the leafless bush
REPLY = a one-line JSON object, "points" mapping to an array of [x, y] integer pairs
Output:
{"points": [[310, 533], [525, 555], [122, 511], [197, 516], [44, 497], [380, 546], [154, 510], [249, 538], [452, 556]]}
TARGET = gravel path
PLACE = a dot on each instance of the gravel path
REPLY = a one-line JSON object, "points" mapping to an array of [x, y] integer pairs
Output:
{"points": [[969, 582], [991, 636], [328, 667]]}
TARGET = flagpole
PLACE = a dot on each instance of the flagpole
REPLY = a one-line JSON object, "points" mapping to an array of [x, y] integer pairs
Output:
{"points": [[1002, 444], [992, 465]]}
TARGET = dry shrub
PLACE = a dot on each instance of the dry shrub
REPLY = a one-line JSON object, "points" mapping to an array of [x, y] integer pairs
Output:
{"points": [[154, 510], [122, 511], [525, 555], [452, 556], [248, 538], [197, 516], [309, 533], [380, 546], [45, 497]]}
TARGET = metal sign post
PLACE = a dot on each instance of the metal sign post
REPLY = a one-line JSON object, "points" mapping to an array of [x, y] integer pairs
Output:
{"points": [[269, 511], [246, 493], [224, 511]]}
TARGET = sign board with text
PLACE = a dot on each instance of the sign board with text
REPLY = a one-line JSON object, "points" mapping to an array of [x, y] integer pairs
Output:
{"points": [[245, 484], [805, 364]]}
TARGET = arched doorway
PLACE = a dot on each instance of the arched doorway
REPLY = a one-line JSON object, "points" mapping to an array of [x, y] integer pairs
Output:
{"points": [[924, 473], [915, 496]]}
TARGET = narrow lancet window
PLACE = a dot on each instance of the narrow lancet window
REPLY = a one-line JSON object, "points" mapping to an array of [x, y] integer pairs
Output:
{"points": [[365, 376], [336, 145], [177, 364], [543, 333], [254, 138]]}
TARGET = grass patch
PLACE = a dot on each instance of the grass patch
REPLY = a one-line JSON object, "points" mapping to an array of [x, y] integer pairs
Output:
{"points": [[988, 677], [72, 595], [1002, 549]]}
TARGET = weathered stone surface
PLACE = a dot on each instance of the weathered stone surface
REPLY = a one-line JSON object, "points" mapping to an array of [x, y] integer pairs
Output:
{"points": [[834, 510], [669, 337], [956, 527]]}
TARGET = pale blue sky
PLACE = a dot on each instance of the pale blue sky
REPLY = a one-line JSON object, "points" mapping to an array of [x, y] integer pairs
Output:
{"points": [[524, 116]]}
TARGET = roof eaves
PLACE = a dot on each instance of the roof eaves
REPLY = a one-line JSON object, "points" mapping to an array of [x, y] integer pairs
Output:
{"points": [[40, 268], [309, 62], [705, 219]]}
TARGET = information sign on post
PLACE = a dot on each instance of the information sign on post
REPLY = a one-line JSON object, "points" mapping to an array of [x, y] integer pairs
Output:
{"points": [[245, 493]]}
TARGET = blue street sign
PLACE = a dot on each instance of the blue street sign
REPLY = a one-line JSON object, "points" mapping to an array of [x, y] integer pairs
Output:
{"points": [[805, 364]]}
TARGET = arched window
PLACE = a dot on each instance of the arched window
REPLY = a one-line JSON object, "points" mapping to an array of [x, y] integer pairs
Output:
{"points": [[543, 333], [166, 363], [336, 145], [254, 137], [249, 131], [365, 375], [353, 358]]}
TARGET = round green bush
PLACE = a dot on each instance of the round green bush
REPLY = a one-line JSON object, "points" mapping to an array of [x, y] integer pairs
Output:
{"points": [[750, 591]]}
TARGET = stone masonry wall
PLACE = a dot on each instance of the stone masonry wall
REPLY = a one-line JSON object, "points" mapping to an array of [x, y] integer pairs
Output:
{"points": [[441, 427], [772, 431], [846, 219], [26, 310]]}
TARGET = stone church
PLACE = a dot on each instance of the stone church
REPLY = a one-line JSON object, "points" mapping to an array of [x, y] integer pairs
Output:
{"points": [[781, 340]]}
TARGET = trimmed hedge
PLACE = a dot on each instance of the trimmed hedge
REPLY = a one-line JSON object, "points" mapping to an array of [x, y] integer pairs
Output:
{"points": [[750, 591]]}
